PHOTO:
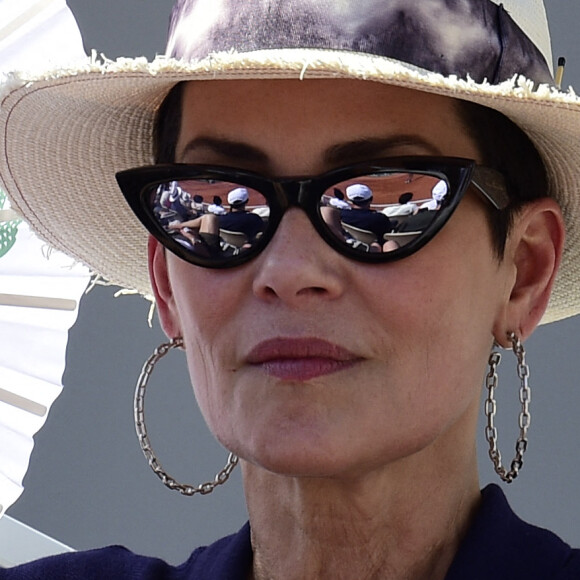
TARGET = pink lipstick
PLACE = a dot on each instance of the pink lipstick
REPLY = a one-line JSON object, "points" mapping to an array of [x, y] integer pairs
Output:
{"points": [[291, 359]]}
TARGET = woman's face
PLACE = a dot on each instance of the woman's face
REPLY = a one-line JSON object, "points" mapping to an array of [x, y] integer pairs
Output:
{"points": [[303, 361]]}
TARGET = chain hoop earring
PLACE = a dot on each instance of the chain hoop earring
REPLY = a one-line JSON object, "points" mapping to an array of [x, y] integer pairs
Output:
{"points": [[139, 414], [491, 383]]}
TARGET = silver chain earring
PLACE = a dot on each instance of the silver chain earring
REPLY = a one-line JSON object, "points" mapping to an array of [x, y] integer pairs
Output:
{"points": [[491, 407], [139, 414]]}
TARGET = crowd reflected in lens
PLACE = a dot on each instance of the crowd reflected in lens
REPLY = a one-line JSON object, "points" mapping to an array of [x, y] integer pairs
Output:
{"points": [[211, 218], [381, 213], [372, 213]]}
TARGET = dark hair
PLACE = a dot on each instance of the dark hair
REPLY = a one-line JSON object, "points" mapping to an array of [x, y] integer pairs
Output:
{"points": [[405, 197], [502, 145], [167, 125], [505, 147]]}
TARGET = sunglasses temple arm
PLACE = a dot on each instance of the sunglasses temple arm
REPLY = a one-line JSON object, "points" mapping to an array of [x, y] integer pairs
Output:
{"points": [[491, 185]]}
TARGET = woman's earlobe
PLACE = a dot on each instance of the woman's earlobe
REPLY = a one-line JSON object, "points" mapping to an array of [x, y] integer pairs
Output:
{"points": [[159, 275], [535, 247]]}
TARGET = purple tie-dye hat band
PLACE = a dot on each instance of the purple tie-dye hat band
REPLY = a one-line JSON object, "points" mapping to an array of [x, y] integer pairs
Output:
{"points": [[475, 38]]}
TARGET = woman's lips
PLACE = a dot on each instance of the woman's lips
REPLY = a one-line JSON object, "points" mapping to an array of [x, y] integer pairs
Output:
{"points": [[291, 359]]}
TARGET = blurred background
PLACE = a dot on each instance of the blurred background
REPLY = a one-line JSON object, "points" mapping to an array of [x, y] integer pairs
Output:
{"points": [[88, 483]]}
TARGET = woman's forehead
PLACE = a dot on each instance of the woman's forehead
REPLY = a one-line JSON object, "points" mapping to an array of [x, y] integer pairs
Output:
{"points": [[313, 90], [325, 118]]}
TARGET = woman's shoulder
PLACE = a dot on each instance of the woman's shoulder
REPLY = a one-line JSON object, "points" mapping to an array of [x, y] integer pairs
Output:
{"points": [[500, 545], [226, 559], [109, 562]]}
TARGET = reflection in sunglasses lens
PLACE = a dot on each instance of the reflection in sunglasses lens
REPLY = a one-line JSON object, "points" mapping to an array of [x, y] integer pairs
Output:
{"points": [[371, 213], [382, 212], [213, 219]]}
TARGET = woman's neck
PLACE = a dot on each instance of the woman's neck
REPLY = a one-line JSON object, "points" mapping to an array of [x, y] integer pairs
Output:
{"points": [[376, 526]]}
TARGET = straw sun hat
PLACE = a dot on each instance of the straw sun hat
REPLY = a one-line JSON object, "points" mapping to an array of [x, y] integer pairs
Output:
{"points": [[66, 132]]}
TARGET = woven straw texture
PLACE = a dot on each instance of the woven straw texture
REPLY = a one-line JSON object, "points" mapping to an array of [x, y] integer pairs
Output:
{"points": [[65, 135]]}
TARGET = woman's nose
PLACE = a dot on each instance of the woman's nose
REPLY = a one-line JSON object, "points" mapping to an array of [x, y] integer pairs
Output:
{"points": [[298, 267]]}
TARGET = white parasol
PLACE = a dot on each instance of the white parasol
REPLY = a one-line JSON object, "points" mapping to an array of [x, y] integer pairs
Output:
{"points": [[39, 290]]}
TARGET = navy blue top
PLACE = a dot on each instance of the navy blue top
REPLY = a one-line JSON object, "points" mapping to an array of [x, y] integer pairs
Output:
{"points": [[245, 222], [368, 219], [498, 546]]}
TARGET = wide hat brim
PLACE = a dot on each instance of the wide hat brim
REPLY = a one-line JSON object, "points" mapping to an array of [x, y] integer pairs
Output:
{"points": [[66, 133]]}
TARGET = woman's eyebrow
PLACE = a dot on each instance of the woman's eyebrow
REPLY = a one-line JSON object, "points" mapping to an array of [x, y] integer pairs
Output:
{"points": [[375, 147], [226, 148], [339, 154]]}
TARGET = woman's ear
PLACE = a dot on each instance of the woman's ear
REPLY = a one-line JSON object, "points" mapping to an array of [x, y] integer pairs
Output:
{"points": [[162, 290], [534, 250]]}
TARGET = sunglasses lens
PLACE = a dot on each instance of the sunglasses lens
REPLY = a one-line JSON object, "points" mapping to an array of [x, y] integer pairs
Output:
{"points": [[384, 211], [210, 219], [215, 222]]}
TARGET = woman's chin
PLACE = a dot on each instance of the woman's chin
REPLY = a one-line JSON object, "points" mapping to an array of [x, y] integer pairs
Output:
{"points": [[305, 455], [301, 465], [299, 451]]}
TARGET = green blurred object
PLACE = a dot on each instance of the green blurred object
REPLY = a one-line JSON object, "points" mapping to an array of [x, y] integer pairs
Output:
{"points": [[8, 227]]}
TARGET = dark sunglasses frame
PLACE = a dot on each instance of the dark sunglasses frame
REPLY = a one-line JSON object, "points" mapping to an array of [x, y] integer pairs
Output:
{"points": [[305, 193]]}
